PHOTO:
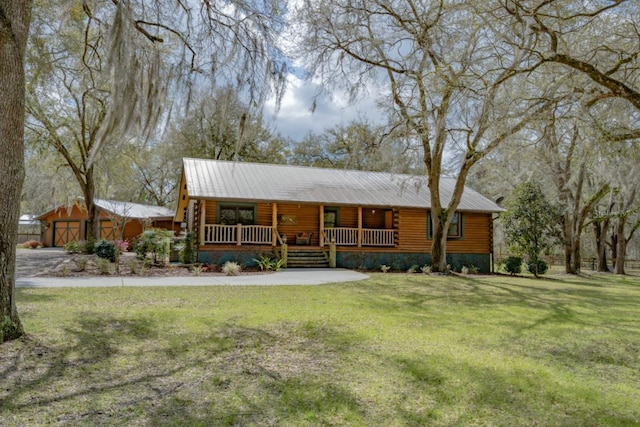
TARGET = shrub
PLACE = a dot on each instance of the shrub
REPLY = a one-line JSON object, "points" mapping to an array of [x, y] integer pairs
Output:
{"points": [[542, 267], [155, 241], [136, 267], [104, 265], [426, 269], [469, 269], [264, 262], [32, 244], [87, 246], [412, 269], [231, 268], [105, 249], [197, 269], [81, 263], [385, 268], [513, 264], [122, 245], [187, 249], [267, 263], [72, 247], [277, 264]]}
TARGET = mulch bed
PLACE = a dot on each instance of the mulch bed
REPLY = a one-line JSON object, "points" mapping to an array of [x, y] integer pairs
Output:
{"points": [[79, 265]]}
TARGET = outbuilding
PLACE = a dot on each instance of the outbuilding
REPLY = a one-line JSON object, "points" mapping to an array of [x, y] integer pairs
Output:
{"points": [[118, 221]]}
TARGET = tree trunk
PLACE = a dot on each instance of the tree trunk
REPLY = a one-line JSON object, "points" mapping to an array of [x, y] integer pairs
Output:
{"points": [[621, 246], [600, 229], [613, 243], [576, 255], [571, 238], [14, 28], [93, 213], [438, 248], [567, 241]]}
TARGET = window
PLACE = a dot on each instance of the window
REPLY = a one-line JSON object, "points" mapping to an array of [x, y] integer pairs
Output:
{"points": [[330, 217], [455, 228], [236, 214]]}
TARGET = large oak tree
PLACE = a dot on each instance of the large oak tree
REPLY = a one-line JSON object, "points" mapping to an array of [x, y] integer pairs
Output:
{"points": [[14, 27], [128, 50], [597, 39], [448, 71], [102, 73]]}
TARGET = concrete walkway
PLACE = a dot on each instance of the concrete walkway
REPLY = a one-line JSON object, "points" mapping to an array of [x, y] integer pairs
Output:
{"points": [[287, 277]]}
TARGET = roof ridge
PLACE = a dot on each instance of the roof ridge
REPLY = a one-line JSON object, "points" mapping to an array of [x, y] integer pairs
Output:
{"points": [[315, 168]]}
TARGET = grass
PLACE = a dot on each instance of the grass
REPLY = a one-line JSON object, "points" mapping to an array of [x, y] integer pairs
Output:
{"points": [[393, 350]]}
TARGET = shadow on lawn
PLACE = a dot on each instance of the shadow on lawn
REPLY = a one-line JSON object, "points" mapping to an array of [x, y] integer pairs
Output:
{"points": [[556, 300], [516, 396], [124, 360], [126, 369], [269, 378], [36, 366], [269, 402], [27, 296]]}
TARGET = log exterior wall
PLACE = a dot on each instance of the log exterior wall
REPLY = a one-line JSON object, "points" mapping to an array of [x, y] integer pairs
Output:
{"points": [[410, 223], [347, 216], [294, 219], [412, 248], [413, 233]]}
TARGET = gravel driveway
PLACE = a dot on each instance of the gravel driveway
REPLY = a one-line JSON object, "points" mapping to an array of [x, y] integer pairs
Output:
{"points": [[30, 262]]}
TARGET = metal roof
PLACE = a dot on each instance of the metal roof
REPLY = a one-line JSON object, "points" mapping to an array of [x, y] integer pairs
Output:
{"points": [[224, 180], [134, 210], [123, 209], [28, 220]]}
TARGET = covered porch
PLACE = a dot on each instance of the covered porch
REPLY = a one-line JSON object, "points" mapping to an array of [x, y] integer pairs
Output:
{"points": [[302, 225]]}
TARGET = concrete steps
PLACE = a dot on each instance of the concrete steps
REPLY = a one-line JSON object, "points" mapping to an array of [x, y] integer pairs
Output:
{"points": [[307, 258]]}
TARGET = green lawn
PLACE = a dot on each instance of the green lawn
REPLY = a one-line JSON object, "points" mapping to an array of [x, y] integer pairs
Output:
{"points": [[393, 350]]}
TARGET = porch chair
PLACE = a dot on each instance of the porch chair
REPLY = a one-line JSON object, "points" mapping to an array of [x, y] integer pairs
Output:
{"points": [[303, 239]]}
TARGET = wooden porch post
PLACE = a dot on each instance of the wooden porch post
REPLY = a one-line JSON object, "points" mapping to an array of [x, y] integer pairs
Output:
{"points": [[239, 234], [359, 226], [203, 219], [321, 226], [274, 224]]}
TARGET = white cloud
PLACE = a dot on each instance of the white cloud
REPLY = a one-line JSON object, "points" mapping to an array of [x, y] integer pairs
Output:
{"points": [[295, 119]]}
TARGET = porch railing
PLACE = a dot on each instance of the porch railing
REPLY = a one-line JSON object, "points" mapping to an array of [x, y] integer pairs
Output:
{"points": [[263, 235], [377, 237], [257, 234], [238, 234], [344, 236]]}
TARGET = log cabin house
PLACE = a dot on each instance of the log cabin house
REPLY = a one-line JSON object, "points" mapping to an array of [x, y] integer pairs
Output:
{"points": [[240, 211], [68, 223]]}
